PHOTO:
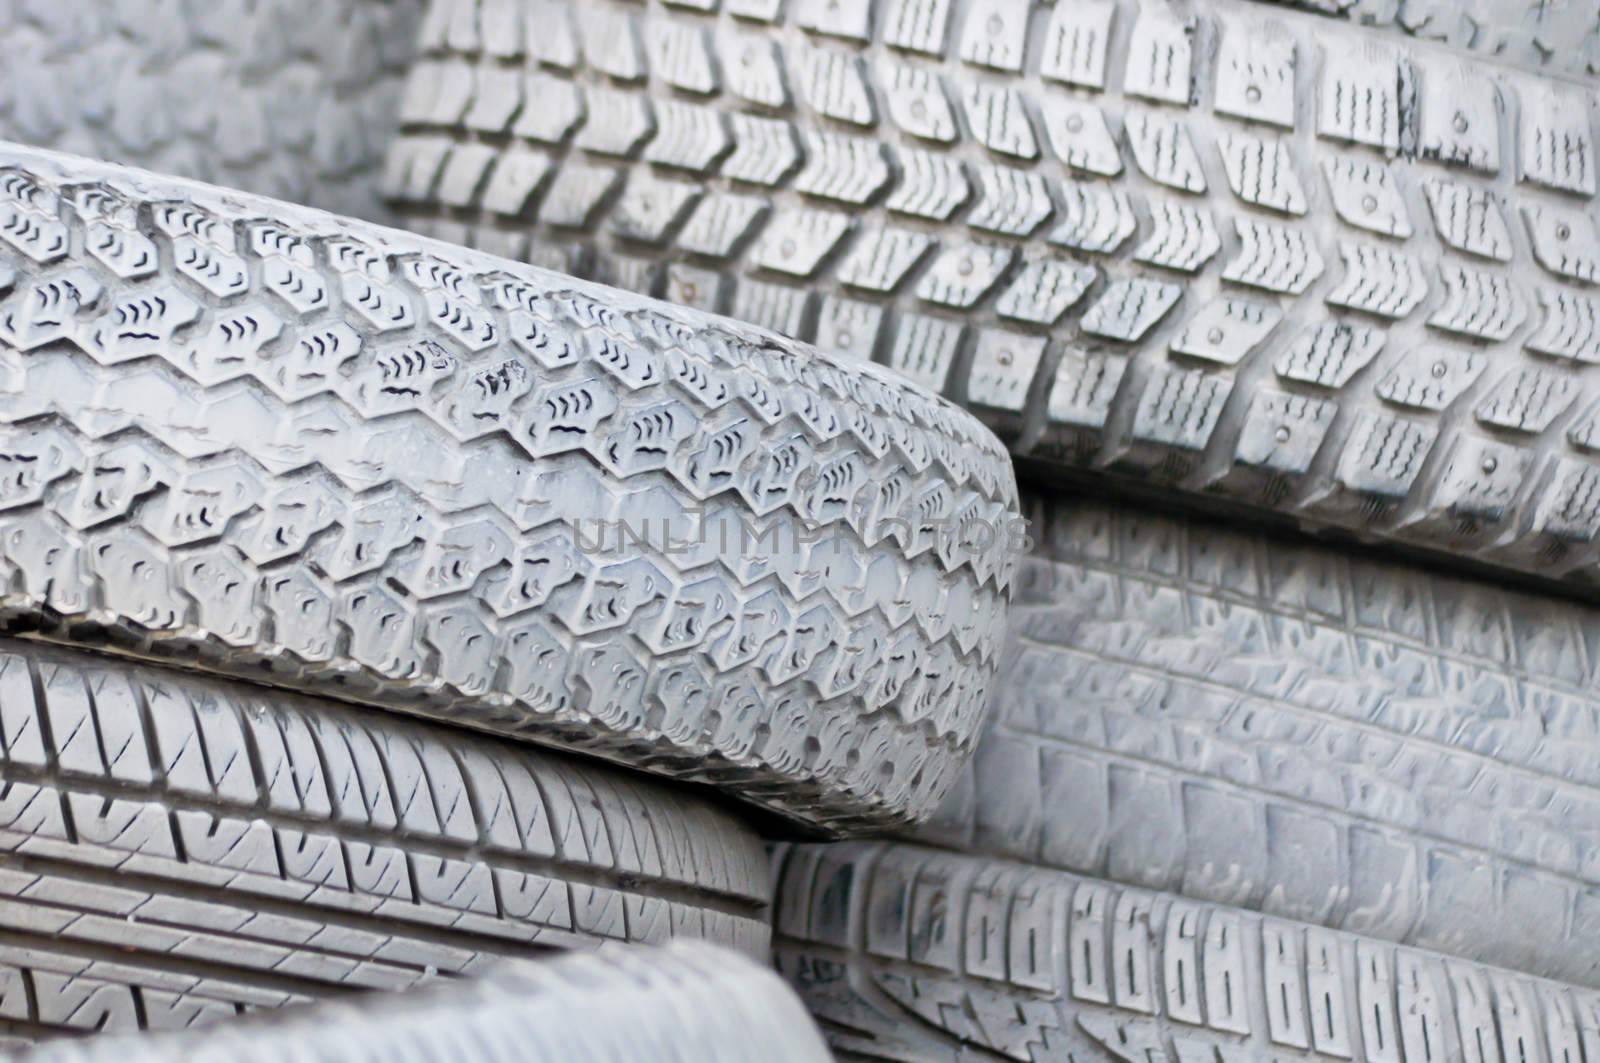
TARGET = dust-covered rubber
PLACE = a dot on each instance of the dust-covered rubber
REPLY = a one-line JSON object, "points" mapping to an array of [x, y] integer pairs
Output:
{"points": [[1220, 249], [905, 953], [267, 440], [176, 848], [289, 98], [1255, 721], [678, 1004]]}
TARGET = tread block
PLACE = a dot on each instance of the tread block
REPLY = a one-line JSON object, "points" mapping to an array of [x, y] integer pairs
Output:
{"points": [[933, 187], [1003, 365], [1076, 41], [1080, 137], [1556, 142], [1326, 173], [1084, 388], [916, 102], [1274, 258], [1468, 220], [1430, 379], [1161, 57], [1164, 151], [1181, 237], [1282, 434], [1181, 408], [1366, 97], [1256, 64], [1460, 120], [1477, 303], [1564, 242], [963, 274], [1378, 281], [881, 258], [1330, 354], [995, 34], [1044, 290], [1094, 218], [999, 120], [1226, 330], [1262, 172], [1128, 309], [1010, 202]]}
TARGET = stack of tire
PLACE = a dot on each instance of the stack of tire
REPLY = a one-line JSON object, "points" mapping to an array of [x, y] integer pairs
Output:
{"points": [[1289, 750]]}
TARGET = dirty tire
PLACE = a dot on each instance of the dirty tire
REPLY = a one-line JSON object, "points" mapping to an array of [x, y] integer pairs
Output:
{"points": [[265, 440], [1148, 243], [1290, 728], [1561, 37], [175, 848], [906, 953], [683, 1003], [289, 98]]}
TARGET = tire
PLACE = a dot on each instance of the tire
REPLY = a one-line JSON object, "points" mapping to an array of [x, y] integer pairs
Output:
{"points": [[680, 1004], [174, 849], [1532, 34], [1285, 727], [289, 98], [268, 441], [1175, 284], [906, 953]]}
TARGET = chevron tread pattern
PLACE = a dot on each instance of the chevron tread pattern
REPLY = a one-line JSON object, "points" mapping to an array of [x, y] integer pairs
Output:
{"points": [[1336, 176]]}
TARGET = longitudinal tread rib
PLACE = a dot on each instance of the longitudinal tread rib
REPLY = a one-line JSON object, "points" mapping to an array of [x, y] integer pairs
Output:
{"points": [[266, 440], [1337, 176], [1294, 729], [175, 848], [906, 953], [678, 1004]]}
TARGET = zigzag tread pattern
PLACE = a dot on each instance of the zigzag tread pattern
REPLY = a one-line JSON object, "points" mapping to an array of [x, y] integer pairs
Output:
{"points": [[906, 953], [342, 459], [174, 849], [1239, 165], [299, 101], [1284, 727], [587, 1008]]}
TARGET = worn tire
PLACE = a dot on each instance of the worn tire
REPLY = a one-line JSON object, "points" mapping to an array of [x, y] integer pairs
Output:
{"points": [[289, 98], [1195, 267], [679, 1004], [322, 454], [1287, 727], [906, 953], [1561, 36], [176, 848]]}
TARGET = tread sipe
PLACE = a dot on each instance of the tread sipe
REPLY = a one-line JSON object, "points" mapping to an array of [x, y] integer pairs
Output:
{"points": [[911, 954], [1299, 730], [1216, 248], [289, 98], [685, 1003], [174, 849], [269, 441]]}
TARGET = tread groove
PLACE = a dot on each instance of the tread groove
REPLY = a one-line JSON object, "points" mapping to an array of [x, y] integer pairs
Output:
{"points": [[1342, 175]]}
